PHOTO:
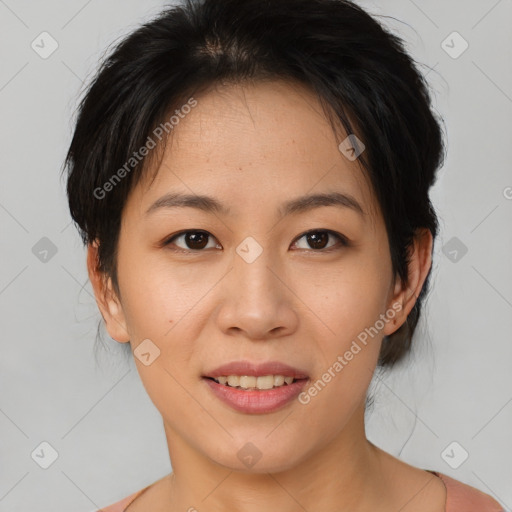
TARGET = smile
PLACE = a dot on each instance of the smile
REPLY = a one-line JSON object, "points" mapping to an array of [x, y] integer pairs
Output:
{"points": [[252, 382]]}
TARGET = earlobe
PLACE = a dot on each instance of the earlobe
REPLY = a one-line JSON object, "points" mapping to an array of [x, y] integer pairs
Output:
{"points": [[406, 294], [108, 303]]}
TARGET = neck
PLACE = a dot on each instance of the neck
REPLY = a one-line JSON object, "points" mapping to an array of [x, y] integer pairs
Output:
{"points": [[342, 474]]}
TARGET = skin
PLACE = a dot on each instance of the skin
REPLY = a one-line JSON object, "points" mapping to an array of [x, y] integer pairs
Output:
{"points": [[253, 148]]}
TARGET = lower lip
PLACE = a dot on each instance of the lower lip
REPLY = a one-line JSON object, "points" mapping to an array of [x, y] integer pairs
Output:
{"points": [[258, 401]]}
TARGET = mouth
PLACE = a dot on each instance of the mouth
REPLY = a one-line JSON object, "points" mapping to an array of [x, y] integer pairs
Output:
{"points": [[256, 388], [253, 383]]}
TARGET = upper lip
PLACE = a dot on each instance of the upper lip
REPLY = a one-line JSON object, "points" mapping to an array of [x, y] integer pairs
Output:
{"points": [[257, 369]]}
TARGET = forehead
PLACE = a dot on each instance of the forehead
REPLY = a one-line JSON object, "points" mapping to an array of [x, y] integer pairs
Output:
{"points": [[248, 143]]}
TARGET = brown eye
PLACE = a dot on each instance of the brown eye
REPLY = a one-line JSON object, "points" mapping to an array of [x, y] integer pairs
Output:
{"points": [[197, 240], [319, 239], [193, 240]]}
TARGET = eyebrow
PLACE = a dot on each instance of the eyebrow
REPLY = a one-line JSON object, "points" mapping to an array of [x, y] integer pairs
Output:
{"points": [[298, 205]]}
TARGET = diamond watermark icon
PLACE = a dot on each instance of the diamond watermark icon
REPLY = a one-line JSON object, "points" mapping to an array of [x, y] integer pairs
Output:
{"points": [[454, 250], [44, 250], [146, 352], [249, 250], [351, 147], [44, 45], [454, 45], [454, 455], [44, 455], [249, 454]]}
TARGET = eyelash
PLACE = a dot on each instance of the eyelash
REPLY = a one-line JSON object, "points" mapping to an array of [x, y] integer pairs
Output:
{"points": [[343, 242]]}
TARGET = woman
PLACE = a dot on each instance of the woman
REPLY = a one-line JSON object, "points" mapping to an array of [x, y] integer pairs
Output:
{"points": [[251, 179]]}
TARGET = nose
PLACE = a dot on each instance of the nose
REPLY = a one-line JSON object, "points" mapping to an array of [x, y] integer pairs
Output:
{"points": [[256, 299]]}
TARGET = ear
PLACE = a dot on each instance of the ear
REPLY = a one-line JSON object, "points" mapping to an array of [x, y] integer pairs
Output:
{"points": [[404, 295], [106, 298]]}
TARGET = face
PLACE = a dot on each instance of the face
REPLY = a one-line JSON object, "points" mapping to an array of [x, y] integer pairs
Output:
{"points": [[261, 278]]}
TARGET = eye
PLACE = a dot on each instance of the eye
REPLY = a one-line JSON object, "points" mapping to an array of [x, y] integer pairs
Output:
{"points": [[197, 240], [317, 239], [194, 240]]}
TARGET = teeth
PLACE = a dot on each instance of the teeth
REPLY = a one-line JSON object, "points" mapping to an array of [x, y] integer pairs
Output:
{"points": [[266, 382], [279, 380], [251, 382], [246, 381], [234, 380]]}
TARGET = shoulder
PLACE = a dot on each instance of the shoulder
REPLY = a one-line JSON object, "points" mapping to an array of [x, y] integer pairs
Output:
{"points": [[120, 506], [155, 493], [461, 497]]}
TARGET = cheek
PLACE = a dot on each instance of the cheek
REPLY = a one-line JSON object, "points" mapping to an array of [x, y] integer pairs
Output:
{"points": [[347, 350], [346, 298], [349, 334], [157, 296], [166, 310]]}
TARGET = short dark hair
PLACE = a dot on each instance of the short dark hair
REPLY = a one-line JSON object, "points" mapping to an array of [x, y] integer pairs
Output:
{"points": [[361, 73]]}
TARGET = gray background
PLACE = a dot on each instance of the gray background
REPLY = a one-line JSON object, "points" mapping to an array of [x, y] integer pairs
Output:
{"points": [[96, 415]]}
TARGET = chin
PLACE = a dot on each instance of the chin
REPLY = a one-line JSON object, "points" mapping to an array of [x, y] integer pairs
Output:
{"points": [[258, 456]]}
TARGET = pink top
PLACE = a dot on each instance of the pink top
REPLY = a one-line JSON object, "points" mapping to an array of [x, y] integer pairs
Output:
{"points": [[459, 498]]}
